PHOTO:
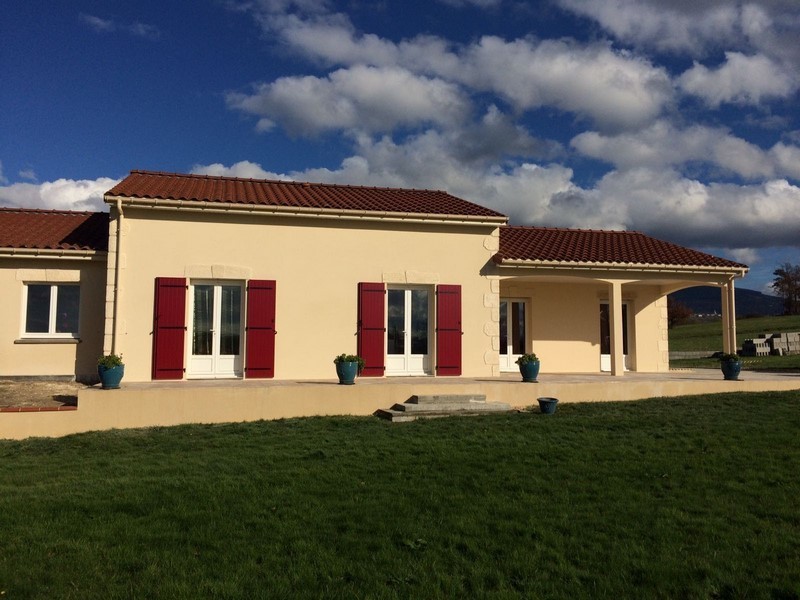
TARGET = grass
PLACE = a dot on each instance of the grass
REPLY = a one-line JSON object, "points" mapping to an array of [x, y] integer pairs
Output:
{"points": [[668, 498], [708, 335], [763, 364]]}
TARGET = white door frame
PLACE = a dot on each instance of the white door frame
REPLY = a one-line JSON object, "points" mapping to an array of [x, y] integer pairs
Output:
{"points": [[213, 365], [408, 363], [605, 359], [508, 361]]}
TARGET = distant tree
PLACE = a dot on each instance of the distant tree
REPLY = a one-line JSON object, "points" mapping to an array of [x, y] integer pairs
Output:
{"points": [[787, 285], [677, 312]]}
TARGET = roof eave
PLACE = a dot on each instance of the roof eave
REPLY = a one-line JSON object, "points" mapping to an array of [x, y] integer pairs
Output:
{"points": [[620, 266], [301, 211]]}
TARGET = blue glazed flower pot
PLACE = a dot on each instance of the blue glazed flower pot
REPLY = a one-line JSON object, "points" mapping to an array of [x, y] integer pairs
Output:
{"points": [[110, 377], [347, 372], [529, 371], [731, 369], [547, 406]]}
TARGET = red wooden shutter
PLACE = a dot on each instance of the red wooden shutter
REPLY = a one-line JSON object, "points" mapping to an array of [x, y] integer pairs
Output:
{"points": [[448, 330], [169, 327], [260, 330], [372, 328]]}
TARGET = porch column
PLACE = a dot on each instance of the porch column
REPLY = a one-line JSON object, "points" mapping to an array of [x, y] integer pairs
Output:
{"points": [[615, 327], [731, 323], [726, 312]]}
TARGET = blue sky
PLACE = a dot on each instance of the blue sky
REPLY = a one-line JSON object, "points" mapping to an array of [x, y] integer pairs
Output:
{"points": [[673, 117]]}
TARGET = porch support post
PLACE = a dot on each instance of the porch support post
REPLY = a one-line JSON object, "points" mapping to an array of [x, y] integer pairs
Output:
{"points": [[615, 325], [731, 323], [726, 316]]}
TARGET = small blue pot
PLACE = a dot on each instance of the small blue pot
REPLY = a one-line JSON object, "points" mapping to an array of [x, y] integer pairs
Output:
{"points": [[529, 371], [347, 372], [731, 369], [547, 406], [110, 377]]}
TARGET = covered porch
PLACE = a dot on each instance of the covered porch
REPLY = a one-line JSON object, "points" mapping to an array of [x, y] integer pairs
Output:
{"points": [[597, 321]]}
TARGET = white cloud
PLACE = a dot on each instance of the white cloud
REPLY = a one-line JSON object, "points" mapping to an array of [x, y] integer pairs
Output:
{"points": [[244, 169], [663, 145], [3, 178], [614, 89], [698, 214], [360, 98], [787, 158], [740, 80], [62, 194], [664, 25], [747, 256], [28, 174], [98, 24], [136, 28]]}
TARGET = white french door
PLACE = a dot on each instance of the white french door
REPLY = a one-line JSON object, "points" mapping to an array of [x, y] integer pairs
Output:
{"points": [[215, 332], [513, 332], [605, 337], [408, 347]]}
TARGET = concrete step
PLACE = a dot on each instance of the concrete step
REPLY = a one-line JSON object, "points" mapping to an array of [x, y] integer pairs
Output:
{"points": [[478, 406], [446, 398], [442, 405]]}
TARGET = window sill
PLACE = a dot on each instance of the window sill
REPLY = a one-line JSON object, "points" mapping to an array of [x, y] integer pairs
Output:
{"points": [[46, 340]]}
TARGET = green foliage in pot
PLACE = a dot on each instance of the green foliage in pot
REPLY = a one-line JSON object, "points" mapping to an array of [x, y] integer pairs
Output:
{"points": [[109, 361], [527, 358], [350, 358], [729, 357]]}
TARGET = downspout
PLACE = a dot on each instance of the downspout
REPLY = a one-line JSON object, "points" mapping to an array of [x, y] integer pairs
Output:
{"points": [[117, 262]]}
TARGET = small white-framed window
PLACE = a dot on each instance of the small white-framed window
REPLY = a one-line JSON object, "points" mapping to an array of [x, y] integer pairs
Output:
{"points": [[51, 310]]}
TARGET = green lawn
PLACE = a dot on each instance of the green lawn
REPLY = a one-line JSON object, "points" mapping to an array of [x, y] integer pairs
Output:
{"points": [[708, 335], [666, 498]]}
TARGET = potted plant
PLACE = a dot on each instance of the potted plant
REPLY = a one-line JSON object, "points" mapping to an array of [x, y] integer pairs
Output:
{"points": [[110, 368], [731, 366], [529, 367], [547, 406], [347, 367]]}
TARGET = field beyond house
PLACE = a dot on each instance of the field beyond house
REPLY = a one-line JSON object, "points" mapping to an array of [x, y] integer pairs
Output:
{"points": [[693, 497]]}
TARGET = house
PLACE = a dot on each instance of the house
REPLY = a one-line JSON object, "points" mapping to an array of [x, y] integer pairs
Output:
{"points": [[53, 278], [203, 277]]}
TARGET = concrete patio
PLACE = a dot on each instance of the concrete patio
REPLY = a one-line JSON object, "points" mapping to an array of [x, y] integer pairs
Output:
{"points": [[219, 401]]}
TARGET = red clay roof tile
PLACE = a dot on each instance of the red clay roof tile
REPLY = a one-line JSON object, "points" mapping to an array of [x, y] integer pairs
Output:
{"points": [[321, 196], [53, 229], [592, 246]]}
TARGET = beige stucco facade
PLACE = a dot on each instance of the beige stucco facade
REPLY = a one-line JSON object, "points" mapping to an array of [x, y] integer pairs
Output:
{"points": [[317, 264], [23, 355]]}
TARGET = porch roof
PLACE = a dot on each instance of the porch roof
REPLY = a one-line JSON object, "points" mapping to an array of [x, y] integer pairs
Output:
{"points": [[297, 196], [585, 247], [31, 229]]}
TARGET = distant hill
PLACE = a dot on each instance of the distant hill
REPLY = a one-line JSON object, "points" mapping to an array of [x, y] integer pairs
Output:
{"points": [[706, 300]]}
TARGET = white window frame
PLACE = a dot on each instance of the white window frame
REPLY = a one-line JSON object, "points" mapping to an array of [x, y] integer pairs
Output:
{"points": [[51, 324]]}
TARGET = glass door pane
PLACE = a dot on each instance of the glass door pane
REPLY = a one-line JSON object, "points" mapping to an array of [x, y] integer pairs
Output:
{"points": [[202, 331], [419, 321], [503, 328], [396, 318], [230, 320], [518, 328]]}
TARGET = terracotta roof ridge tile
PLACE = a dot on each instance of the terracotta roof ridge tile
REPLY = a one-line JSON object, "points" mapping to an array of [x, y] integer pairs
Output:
{"points": [[575, 229], [293, 182], [50, 211]]}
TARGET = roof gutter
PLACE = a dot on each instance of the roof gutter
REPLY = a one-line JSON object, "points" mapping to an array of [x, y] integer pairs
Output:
{"points": [[617, 266], [300, 211], [53, 253]]}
